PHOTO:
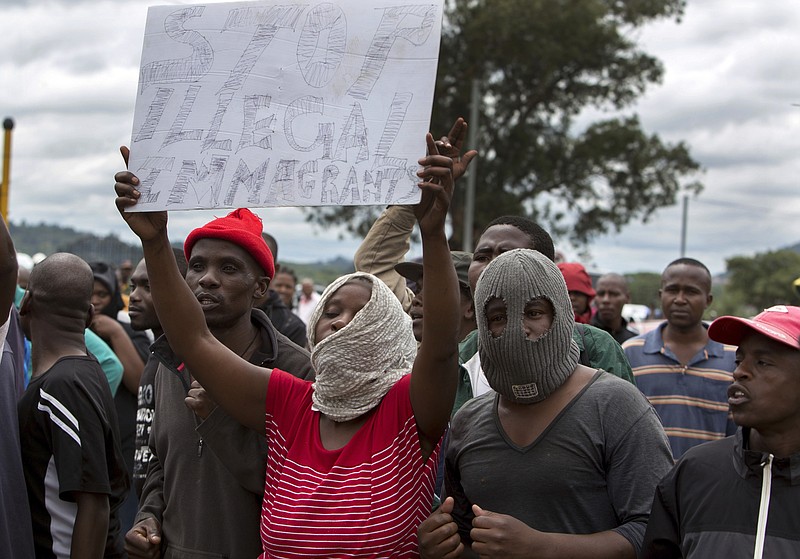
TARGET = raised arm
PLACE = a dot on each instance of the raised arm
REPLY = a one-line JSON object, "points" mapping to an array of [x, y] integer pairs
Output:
{"points": [[386, 244], [389, 238], [434, 376], [451, 146], [236, 385]]}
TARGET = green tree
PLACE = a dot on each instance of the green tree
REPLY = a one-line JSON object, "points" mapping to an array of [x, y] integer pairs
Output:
{"points": [[643, 287], [763, 280], [540, 64]]}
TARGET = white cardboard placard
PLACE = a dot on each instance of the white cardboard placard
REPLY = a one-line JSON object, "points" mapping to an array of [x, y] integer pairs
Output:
{"points": [[254, 104]]}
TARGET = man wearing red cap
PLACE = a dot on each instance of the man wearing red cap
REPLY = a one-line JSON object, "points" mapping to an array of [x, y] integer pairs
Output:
{"points": [[202, 494], [581, 292], [740, 496]]}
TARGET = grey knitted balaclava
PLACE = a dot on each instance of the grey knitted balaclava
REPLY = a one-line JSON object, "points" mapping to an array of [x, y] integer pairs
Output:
{"points": [[525, 371], [356, 366]]}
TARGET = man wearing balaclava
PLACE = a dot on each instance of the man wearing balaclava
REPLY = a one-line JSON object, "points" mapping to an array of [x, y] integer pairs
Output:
{"points": [[559, 456]]}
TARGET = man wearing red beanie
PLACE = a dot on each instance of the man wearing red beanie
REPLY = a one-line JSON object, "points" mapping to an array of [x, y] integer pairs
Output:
{"points": [[581, 292], [205, 482]]}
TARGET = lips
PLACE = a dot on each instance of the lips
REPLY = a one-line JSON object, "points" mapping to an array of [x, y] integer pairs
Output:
{"points": [[737, 395], [206, 299]]}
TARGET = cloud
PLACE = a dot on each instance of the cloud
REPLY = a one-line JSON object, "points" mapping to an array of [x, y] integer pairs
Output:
{"points": [[732, 75]]}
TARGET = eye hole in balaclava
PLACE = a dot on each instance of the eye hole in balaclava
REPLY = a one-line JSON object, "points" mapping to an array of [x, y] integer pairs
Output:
{"points": [[537, 318], [496, 316]]}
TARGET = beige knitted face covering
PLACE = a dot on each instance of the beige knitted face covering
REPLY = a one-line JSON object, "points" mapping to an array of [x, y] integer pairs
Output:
{"points": [[525, 371], [357, 365]]}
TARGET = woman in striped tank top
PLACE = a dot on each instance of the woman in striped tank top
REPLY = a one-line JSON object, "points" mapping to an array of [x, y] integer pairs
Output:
{"points": [[352, 457]]}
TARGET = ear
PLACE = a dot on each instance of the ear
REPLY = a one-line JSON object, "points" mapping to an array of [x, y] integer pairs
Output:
{"points": [[25, 303], [468, 310], [90, 315], [262, 285], [709, 299]]}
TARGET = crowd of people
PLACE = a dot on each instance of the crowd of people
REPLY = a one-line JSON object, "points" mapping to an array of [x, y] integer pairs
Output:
{"points": [[203, 402]]}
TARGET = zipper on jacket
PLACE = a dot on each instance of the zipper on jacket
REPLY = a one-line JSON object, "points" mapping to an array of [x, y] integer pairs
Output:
{"points": [[763, 509]]}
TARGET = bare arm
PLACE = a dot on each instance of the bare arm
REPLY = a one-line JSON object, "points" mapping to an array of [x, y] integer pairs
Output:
{"points": [[386, 243], [115, 335], [434, 376], [91, 526], [389, 238], [501, 535], [236, 385]]}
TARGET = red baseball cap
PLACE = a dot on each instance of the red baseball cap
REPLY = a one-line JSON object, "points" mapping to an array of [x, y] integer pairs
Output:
{"points": [[780, 323]]}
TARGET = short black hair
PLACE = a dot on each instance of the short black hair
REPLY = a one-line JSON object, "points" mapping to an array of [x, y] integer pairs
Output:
{"points": [[62, 283], [541, 239], [689, 262]]}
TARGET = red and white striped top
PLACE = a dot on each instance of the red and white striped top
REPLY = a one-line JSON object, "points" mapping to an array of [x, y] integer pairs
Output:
{"points": [[363, 500]]}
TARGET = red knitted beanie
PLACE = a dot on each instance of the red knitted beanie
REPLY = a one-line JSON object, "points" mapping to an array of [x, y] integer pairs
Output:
{"points": [[576, 278], [241, 227]]}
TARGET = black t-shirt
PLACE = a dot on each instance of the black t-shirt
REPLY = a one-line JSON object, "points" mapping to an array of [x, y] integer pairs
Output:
{"points": [[70, 443]]}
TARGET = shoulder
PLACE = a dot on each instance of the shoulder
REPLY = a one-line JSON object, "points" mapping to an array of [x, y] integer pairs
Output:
{"points": [[649, 342], [468, 347], [610, 390], [73, 368], [615, 401], [473, 412], [594, 334], [286, 354], [723, 352], [702, 463], [291, 357], [398, 397], [710, 451], [73, 381]]}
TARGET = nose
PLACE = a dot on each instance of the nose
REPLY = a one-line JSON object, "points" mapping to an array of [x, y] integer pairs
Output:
{"points": [[741, 371], [208, 279]]}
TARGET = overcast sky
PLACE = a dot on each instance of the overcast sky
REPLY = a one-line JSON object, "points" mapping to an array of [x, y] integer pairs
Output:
{"points": [[70, 69]]}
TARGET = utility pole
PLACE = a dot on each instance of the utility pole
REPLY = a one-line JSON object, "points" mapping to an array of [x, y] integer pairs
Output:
{"points": [[683, 224], [8, 125], [472, 175]]}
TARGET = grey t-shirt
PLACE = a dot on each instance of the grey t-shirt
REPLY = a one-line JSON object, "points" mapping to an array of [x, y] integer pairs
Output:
{"points": [[594, 468]]}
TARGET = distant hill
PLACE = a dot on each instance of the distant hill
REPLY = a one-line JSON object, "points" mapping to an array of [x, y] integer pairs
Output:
{"points": [[47, 239], [322, 273]]}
